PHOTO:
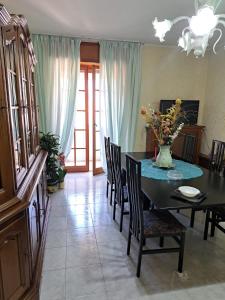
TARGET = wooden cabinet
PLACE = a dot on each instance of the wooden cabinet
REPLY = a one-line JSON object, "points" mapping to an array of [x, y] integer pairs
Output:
{"points": [[14, 259], [177, 147], [24, 206]]}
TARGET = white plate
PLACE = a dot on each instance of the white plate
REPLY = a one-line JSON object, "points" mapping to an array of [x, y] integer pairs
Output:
{"points": [[189, 191]]}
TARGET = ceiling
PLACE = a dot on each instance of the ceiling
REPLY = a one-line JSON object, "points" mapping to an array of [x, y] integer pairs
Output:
{"points": [[103, 19]]}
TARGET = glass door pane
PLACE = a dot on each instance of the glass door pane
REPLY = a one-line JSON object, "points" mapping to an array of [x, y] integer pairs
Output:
{"points": [[78, 159]]}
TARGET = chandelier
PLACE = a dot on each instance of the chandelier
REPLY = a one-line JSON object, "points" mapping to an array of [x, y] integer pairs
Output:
{"points": [[200, 29]]}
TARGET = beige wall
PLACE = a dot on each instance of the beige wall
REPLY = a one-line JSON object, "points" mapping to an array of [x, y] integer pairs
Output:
{"points": [[167, 74], [214, 109]]}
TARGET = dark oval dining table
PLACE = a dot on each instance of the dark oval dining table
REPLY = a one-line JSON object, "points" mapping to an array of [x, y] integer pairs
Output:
{"points": [[159, 191]]}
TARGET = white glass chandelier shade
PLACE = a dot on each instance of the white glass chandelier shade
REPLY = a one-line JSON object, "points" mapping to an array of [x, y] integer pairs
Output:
{"points": [[199, 30]]}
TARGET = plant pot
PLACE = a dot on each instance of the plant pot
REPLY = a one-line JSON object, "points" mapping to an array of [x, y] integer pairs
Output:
{"points": [[52, 186], [61, 185], [164, 158]]}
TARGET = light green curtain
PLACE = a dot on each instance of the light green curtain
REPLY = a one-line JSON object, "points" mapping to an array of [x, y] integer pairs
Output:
{"points": [[120, 87], [56, 79]]}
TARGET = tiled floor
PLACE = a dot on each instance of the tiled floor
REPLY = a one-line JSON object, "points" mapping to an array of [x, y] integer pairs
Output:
{"points": [[85, 256]]}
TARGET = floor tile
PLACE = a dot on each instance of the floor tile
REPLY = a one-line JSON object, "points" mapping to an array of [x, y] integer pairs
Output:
{"points": [[56, 238], [81, 236], [82, 256], [85, 255], [57, 223], [55, 258], [79, 221], [59, 211], [53, 285], [84, 281], [78, 210]]}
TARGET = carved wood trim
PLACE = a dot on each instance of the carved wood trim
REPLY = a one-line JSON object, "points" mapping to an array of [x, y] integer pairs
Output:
{"points": [[18, 21]]}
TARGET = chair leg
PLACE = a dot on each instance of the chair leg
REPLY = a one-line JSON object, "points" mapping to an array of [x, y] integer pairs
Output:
{"points": [[114, 209], [206, 224], [121, 217], [139, 258], [181, 253], [213, 224], [192, 218], [161, 242], [111, 194], [107, 189], [128, 242]]}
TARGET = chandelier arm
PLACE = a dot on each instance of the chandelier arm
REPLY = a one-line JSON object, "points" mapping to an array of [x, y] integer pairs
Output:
{"points": [[217, 41], [183, 35], [221, 22], [220, 16], [178, 19]]}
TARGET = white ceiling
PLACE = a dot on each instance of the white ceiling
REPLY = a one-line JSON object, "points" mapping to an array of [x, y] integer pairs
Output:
{"points": [[103, 19]]}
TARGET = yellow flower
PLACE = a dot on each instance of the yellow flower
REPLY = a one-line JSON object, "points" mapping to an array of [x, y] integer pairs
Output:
{"points": [[178, 101]]}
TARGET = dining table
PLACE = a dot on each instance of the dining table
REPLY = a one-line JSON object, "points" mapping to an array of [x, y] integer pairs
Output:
{"points": [[160, 192]]}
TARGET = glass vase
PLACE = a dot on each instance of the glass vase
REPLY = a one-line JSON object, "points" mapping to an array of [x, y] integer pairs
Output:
{"points": [[164, 158]]}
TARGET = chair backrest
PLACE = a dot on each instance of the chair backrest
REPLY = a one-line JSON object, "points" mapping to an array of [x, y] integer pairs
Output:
{"points": [[116, 164], [189, 148], [133, 169], [108, 156], [217, 156]]}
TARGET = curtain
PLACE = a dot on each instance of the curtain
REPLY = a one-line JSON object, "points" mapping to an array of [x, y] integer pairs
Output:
{"points": [[56, 79], [120, 89]]}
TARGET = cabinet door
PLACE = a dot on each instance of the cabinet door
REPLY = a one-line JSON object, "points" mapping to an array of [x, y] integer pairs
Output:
{"points": [[25, 95], [15, 104], [7, 179], [14, 262], [34, 221]]}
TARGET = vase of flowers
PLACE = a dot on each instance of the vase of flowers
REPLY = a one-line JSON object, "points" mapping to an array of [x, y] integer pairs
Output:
{"points": [[166, 128]]}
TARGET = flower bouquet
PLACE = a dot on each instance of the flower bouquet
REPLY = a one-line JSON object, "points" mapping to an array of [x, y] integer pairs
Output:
{"points": [[166, 128]]}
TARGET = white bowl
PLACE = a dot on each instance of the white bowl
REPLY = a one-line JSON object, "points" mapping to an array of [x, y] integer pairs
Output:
{"points": [[189, 191]]}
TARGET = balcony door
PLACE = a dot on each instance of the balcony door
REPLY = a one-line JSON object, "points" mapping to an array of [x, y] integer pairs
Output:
{"points": [[85, 154]]}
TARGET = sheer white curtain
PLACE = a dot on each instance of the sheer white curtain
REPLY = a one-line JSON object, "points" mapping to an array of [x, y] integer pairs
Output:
{"points": [[120, 89], [57, 76]]}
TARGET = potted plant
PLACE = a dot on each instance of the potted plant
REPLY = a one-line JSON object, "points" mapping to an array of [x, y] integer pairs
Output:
{"points": [[50, 143]]}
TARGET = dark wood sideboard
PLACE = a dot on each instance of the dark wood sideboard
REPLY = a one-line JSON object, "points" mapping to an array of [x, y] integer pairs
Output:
{"points": [[177, 147], [24, 205]]}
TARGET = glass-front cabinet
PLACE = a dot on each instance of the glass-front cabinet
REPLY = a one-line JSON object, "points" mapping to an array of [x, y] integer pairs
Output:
{"points": [[21, 106]]}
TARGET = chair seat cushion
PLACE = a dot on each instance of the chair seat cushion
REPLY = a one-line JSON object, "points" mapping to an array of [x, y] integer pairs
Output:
{"points": [[220, 211], [161, 223]]}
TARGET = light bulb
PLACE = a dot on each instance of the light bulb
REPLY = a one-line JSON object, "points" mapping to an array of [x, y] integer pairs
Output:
{"points": [[204, 22]]}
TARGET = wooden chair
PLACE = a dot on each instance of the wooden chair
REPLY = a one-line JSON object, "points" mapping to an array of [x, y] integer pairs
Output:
{"points": [[188, 156], [110, 175], [188, 151], [151, 223], [120, 193], [216, 215]]}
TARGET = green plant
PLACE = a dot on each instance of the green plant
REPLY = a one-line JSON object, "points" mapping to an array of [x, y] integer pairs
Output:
{"points": [[50, 143]]}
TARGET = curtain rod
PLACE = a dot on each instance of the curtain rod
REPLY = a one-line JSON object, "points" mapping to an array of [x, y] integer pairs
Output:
{"points": [[90, 40]]}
